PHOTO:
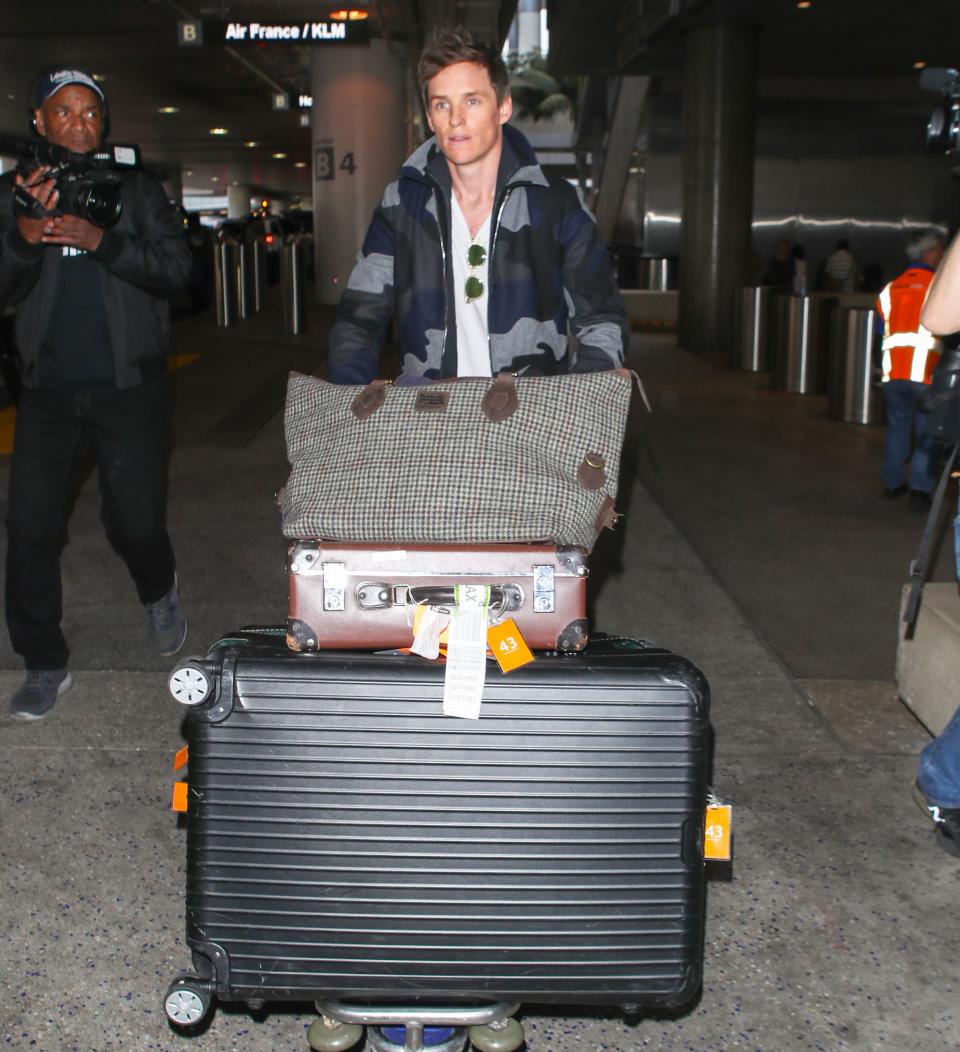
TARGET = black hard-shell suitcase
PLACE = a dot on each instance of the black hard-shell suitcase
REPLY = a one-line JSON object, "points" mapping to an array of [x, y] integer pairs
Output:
{"points": [[346, 840]]}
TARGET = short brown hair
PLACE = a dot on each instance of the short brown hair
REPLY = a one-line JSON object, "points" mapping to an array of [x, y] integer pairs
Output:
{"points": [[445, 47]]}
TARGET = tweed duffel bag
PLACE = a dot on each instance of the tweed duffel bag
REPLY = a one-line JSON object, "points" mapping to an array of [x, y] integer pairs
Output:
{"points": [[473, 460]]}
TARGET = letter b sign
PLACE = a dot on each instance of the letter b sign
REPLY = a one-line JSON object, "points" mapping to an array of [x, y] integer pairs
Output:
{"points": [[189, 33]]}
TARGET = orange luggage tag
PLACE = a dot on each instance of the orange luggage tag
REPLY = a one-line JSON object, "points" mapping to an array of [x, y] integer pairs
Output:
{"points": [[508, 645]]}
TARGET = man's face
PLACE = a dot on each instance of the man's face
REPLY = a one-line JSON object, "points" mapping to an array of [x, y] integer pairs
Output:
{"points": [[464, 114], [72, 117]]}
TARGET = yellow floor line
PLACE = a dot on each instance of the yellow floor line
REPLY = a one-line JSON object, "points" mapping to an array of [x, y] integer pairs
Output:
{"points": [[8, 417], [178, 361]]}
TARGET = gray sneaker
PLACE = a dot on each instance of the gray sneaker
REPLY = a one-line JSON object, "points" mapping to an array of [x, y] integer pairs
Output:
{"points": [[168, 626], [39, 693]]}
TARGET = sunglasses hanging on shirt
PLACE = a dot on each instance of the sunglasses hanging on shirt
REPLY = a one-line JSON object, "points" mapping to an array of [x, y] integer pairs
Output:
{"points": [[476, 257]]}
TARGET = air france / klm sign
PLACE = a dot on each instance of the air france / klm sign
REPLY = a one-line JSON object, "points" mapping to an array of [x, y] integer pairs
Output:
{"points": [[307, 32]]}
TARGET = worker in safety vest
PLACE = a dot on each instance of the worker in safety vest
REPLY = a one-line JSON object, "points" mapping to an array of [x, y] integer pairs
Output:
{"points": [[910, 353]]}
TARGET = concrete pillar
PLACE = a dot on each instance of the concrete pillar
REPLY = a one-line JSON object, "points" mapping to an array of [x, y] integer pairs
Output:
{"points": [[717, 146], [528, 26], [513, 38], [358, 145], [238, 201]]}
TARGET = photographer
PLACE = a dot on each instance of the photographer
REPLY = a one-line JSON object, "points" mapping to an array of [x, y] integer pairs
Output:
{"points": [[937, 787], [941, 311], [91, 327]]}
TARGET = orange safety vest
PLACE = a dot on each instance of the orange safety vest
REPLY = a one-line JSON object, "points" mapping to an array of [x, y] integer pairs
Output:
{"points": [[910, 351]]}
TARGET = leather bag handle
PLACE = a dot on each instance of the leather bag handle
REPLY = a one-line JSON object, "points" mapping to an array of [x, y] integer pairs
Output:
{"points": [[500, 401], [369, 399]]}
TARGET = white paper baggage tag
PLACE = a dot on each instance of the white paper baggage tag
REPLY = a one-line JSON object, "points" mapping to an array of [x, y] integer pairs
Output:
{"points": [[426, 641], [467, 653]]}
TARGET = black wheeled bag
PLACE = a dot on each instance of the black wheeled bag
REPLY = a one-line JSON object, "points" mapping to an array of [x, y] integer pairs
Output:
{"points": [[345, 840]]}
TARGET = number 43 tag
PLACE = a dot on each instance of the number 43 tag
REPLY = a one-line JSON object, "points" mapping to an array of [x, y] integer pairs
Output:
{"points": [[716, 840], [508, 645]]}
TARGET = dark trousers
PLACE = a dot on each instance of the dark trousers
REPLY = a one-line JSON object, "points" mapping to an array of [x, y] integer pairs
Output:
{"points": [[127, 431]]}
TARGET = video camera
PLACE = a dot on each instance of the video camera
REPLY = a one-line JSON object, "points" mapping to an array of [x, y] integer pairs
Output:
{"points": [[943, 127], [86, 182]]}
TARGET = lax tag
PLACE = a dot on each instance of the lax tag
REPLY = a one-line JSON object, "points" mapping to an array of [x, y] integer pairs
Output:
{"points": [[467, 653]]}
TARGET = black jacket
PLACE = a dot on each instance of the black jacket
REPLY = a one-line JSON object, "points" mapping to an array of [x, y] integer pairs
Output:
{"points": [[144, 259]]}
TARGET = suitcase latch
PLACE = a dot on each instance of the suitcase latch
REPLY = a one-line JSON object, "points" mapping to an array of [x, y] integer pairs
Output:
{"points": [[334, 582], [378, 595], [543, 589]]}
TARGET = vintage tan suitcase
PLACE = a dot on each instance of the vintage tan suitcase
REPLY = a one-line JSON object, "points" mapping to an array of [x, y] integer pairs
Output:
{"points": [[364, 596]]}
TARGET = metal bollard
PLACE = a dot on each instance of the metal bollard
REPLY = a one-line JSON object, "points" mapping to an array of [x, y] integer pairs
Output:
{"points": [[854, 393], [244, 280], [753, 323], [657, 274], [800, 344], [294, 278], [225, 281], [258, 272]]}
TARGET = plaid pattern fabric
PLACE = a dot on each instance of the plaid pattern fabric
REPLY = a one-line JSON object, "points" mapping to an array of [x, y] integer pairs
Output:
{"points": [[444, 477]]}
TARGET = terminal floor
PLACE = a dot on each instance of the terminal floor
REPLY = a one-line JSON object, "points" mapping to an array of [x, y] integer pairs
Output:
{"points": [[755, 543]]}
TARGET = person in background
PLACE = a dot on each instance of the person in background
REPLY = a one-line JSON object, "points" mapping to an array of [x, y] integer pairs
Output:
{"points": [[780, 269], [799, 258], [910, 352], [91, 326], [840, 272], [488, 261]]}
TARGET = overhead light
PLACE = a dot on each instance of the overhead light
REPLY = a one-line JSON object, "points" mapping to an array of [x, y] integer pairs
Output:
{"points": [[279, 156], [919, 65], [804, 4], [349, 15], [218, 131], [250, 145], [189, 171], [299, 164], [168, 109], [214, 179], [98, 77]]}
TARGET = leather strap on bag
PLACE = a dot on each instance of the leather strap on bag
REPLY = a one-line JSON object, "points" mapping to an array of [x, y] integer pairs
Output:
{"points": [[591, 473], [918, 568], [369, 400], [500, 401], [607, 516]]}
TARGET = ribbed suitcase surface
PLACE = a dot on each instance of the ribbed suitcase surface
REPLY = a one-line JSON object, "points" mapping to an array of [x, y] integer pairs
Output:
{"points": [[346, 839]]}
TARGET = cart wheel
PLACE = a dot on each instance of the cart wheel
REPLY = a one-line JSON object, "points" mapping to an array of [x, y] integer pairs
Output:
{"points": [[502, 1035], [190, 683], [329, 1035], [186, 1004]]}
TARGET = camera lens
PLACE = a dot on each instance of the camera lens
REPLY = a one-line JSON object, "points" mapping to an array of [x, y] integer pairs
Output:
{"points": [[99, 204], [943, 128]]}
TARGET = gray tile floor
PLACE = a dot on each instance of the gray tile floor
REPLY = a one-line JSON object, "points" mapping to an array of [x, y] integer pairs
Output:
{"points": [[754, 544]]}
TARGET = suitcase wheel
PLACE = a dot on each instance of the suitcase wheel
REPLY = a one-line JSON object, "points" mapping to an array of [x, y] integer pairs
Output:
{"points": [[187, 1002], [190, 683], [502, 1035], [329, 1035]]}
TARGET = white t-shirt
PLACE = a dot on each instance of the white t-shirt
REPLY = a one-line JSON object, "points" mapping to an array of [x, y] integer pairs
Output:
{"points": [[473, 334]]}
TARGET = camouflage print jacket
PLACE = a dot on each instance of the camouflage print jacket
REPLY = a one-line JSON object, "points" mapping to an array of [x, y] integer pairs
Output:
{"points": [[547, 272]]}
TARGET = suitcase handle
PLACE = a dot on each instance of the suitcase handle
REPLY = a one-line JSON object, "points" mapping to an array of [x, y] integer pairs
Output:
{"points": [[378, 595]]}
